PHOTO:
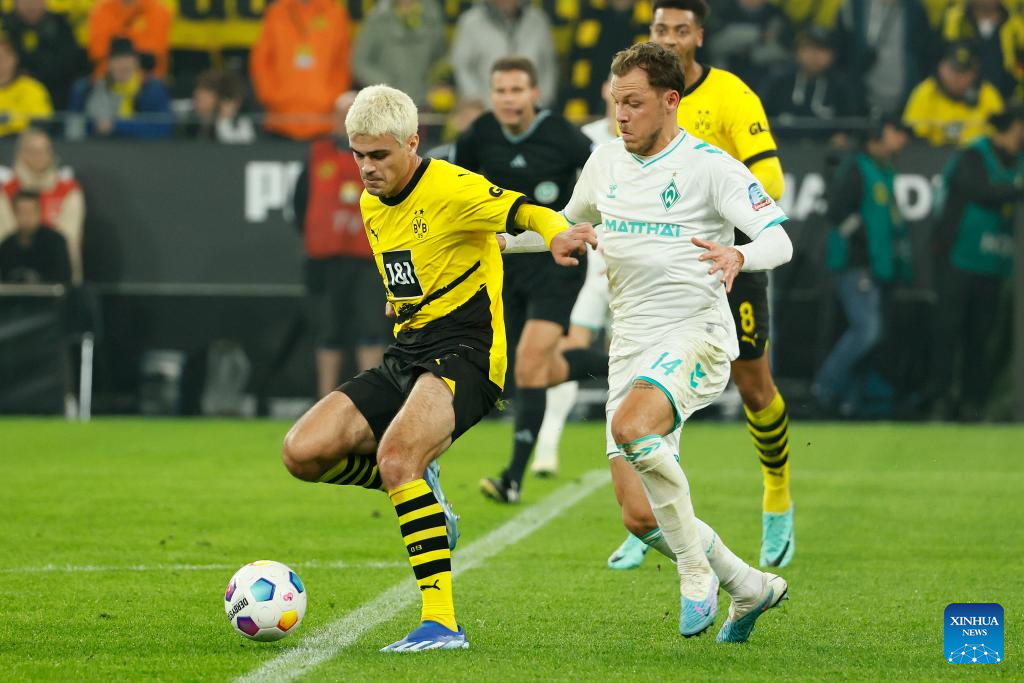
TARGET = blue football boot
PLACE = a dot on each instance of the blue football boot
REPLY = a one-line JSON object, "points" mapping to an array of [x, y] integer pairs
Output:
{"points": [[742, 615], [778, 538], [430, 635]]}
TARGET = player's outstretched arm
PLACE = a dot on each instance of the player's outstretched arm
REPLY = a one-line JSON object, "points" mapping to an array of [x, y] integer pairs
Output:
{"points": [[564, 243], [771, 249]]}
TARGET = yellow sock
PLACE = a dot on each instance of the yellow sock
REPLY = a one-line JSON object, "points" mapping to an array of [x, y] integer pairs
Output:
{"points": [[426, 539], [770, 430], [355, 470]]}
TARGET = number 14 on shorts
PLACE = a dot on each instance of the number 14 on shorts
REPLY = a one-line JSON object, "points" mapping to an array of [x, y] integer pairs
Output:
{"points": [[668, 365]]}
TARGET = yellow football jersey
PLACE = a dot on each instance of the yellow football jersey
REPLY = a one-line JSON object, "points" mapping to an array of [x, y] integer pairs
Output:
{"points": [[720, 109], [942, 120], [435, 249]]}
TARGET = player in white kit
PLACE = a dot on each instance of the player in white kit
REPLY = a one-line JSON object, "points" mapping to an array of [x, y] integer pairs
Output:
{"points": [[668, 203]]}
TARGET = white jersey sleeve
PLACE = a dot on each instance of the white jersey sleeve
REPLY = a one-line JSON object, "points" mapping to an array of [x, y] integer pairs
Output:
{"points": [[741, 200], [771, 249], [582, 206], [526, 242]]}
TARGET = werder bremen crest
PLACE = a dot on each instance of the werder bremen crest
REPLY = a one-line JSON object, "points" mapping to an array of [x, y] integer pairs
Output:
{"points": [[670, 195]]}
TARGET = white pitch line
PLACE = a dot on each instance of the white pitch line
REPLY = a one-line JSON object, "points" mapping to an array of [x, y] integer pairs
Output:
{"points": [[327, 642], [75, 568]]}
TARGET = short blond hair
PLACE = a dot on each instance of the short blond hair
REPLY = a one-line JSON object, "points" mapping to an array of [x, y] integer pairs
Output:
{"points": [[382, 110]]}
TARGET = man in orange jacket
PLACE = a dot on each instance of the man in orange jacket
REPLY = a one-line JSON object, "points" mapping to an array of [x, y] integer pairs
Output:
{"points": [[300, 64], [146, 22]]}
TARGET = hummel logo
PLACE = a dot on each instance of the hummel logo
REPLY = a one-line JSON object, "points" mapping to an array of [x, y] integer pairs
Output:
{"points": [[433, 585], [697, 374]]}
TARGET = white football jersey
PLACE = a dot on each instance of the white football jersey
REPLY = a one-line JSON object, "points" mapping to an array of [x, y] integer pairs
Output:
{"points": [[650, 208]]}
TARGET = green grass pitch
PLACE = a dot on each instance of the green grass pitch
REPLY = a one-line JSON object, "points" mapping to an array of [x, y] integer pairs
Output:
{"points": [[118, 538]]}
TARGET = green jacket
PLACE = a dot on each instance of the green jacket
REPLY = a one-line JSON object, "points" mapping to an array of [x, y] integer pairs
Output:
{"points": [[984, 232], [880, 241]]}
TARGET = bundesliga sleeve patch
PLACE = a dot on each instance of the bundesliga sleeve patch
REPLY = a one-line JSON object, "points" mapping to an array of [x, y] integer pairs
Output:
{"points": [[758, 197]]}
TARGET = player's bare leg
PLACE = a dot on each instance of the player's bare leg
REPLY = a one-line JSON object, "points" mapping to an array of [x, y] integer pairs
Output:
{"points": [[560, 401], [639, 425], [636, 516], [328, 370], [332, 441], [751, 591], [369, 356], [418, 434], [538, 365], [768, 424]]}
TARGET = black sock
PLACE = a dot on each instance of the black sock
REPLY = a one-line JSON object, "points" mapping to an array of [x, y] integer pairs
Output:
{"points": [[586, 364], [530, 407]]}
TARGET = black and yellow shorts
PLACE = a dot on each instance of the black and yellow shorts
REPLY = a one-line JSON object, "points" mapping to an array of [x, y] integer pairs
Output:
{"points": [[380, 392], [748, 301]]}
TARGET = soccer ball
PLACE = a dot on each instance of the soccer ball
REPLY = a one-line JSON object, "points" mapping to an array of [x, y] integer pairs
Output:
{"points": [[265, 600]]}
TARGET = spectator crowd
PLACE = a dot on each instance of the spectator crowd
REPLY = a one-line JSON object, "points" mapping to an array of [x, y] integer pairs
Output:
{"points": [[949, 73], [156, 68]]}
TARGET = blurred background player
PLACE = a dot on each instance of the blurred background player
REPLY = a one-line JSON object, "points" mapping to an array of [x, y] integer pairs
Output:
{"points": [[720, 109], [536, 152], [590, 315], [341, 278], [385, 428]]}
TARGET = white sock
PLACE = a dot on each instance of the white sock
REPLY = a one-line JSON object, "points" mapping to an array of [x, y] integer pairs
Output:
{"points": [[561, 400], [736, 576], [669, 494]]}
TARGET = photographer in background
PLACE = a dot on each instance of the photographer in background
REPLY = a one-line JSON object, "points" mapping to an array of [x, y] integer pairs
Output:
{"points": [[868, 250], [974, 247]]}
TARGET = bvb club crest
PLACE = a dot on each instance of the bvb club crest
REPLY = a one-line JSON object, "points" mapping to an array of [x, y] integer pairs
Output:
{"points": [[419, 224], [702, 123]]}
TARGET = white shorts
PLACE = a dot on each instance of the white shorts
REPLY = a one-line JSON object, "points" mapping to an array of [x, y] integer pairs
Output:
{"points": [[592, 304], [685, 365]]}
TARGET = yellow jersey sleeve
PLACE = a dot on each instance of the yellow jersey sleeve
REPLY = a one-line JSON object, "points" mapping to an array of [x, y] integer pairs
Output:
{"points": [[485, 207], [541, 220], [748, 128]]}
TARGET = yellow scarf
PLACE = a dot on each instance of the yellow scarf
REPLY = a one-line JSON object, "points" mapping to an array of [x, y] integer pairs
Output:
{"points": [[126, 92]]}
